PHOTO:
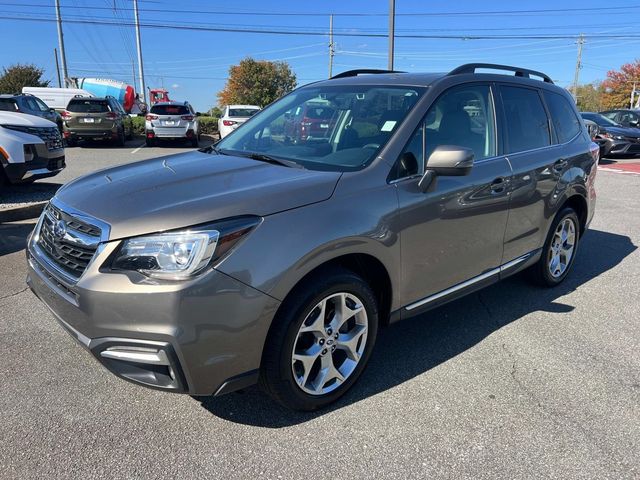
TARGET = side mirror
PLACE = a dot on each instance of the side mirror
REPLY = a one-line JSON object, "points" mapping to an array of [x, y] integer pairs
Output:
{"points": [[634, 123], [52, 110], [447, 160]]}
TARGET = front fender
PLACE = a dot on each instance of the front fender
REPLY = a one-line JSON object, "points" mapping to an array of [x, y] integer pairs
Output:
{"points": [[289, 245]]}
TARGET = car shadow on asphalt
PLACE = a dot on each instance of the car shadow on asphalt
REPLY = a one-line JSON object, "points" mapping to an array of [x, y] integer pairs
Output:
{"points": [[38, 191], [413, 347], [13, 237]]}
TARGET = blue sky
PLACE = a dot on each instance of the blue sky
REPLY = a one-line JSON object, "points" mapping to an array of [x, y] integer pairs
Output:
{"points": [[193, 65]]}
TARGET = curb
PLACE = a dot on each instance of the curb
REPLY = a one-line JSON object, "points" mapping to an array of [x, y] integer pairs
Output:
{"points": [[26, 212]]}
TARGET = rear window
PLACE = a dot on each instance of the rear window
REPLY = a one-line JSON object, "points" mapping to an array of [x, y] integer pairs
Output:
{"points": [[88, 106], [8, 105], [242, 112], [563, 117], [170, 110], [320, 112], [527, 122]]}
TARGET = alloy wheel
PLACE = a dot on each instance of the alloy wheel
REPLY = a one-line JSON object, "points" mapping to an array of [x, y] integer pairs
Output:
{"points": [[562, 248], [329, 343]]}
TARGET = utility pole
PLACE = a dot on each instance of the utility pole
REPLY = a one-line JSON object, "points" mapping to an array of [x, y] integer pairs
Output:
{"points": [[331, 46], [578, 66], [133, 71], [63, 56], [633, 94], [392, 24], [143, 90], [55, 55]]}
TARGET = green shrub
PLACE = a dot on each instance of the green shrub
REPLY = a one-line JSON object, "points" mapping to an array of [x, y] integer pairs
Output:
{"points": [[138, 125], [208, 125]]}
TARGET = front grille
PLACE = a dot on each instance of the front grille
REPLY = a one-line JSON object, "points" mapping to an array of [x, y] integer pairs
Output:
{"points": [[68, 255], [49, 135], [632, 139]]}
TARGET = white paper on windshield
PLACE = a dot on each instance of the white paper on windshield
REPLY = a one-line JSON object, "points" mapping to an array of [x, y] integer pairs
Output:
{"points": [[388, 126]]}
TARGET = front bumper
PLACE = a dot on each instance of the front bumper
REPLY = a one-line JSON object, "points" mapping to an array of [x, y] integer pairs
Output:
{"points": [[620, 147], [44, 164], [200, 337]]}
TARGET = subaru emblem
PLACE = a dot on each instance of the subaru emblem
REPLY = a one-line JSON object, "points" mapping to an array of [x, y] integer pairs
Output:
{"points": [[60, 229]]}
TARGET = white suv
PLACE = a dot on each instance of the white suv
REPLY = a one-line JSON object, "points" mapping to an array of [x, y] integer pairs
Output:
{"points": [[171, 120], [234, 116], [30, 148]]}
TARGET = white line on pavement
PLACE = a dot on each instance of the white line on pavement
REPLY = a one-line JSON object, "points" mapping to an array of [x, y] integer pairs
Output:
{"points": [[138, 149]]}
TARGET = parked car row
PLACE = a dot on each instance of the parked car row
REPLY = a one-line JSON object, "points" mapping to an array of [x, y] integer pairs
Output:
{"points": [[617, 132]]}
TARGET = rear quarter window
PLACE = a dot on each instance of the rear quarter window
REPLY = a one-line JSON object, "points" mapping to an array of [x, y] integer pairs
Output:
{"points": [[563, 117], [88, 106]]}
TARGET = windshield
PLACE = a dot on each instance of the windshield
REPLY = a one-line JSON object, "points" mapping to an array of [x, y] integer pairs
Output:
{"points": [[600, 120], [337, 128], [243, 112]]}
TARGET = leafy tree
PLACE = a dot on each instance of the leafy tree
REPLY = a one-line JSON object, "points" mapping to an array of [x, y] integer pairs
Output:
{"points": [[618, 85], [16, 76], [257, 82], [589, 97], [215, 112]]}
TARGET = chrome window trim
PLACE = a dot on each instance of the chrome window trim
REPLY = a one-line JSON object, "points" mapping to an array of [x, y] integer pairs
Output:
{"points": [[468, 283]]}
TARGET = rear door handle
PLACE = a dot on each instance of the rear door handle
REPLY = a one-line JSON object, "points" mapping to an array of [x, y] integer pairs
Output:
{"points": [[498, 185]]}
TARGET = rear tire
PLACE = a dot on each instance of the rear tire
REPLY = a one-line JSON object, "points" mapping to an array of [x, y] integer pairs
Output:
{"points": [[559, 250], [306, 364], [150, 142], [130, 134], [121, 140], [194, 142]]}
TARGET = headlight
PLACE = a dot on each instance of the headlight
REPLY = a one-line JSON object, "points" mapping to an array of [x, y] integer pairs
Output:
{"points": [[182, 254]]}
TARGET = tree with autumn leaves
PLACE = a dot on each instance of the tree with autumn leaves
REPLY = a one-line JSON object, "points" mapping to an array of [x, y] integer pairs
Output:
{"points": [[257, 82], [616, 88]]}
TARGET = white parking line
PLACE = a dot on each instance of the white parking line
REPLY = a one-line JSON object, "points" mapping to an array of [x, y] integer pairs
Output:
{"points": [[138, 149]]}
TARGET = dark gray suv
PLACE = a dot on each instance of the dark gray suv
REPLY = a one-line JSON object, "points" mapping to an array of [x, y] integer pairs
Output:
{"points": [[269, 259]]}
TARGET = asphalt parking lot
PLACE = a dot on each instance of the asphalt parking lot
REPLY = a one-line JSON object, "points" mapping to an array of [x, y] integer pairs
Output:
{"points": [[512, 382]]}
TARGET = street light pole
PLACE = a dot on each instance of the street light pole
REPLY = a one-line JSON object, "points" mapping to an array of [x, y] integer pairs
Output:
{"points": [[143, 91], [392, 22]]}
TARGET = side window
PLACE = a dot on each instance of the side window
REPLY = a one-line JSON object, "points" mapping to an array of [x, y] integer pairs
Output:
{"points": [[563, 116], [31, 104], [527, 125], [462, 116], [610, 115]]}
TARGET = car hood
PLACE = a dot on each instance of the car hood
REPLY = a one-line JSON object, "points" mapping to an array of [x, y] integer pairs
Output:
{"points": [[190, 189], [24, 120], [627, 132]]}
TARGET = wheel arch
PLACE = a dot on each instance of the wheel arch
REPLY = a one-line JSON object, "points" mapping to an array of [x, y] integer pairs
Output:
{"points": [[579, 204]]}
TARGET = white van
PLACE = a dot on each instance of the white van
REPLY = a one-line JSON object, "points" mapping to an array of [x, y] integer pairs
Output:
{"points": [[57, 98]]}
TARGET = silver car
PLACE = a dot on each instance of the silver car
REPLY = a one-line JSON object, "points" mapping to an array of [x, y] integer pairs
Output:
{"points": [[263, 260], [172, 120]]}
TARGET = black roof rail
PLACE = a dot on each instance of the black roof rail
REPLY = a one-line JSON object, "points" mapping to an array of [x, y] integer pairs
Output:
{"points": [[362, 71], [520, 72]]}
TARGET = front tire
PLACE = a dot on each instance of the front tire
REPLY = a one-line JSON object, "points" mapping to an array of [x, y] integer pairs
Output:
{"points": [[559, 251], [321, 340]]}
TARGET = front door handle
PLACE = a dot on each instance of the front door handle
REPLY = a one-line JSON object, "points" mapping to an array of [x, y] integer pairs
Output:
{"points": [[498, 185]]}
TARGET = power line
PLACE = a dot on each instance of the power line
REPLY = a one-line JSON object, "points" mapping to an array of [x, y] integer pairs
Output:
{"points": [[586, 10], [344, 34]]}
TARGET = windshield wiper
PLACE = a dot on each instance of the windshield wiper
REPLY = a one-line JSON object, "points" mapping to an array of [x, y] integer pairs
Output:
{"points": [[276, 161]]}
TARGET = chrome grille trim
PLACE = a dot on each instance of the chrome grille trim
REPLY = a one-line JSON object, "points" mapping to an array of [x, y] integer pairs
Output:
{"points": [[67, 256]]}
